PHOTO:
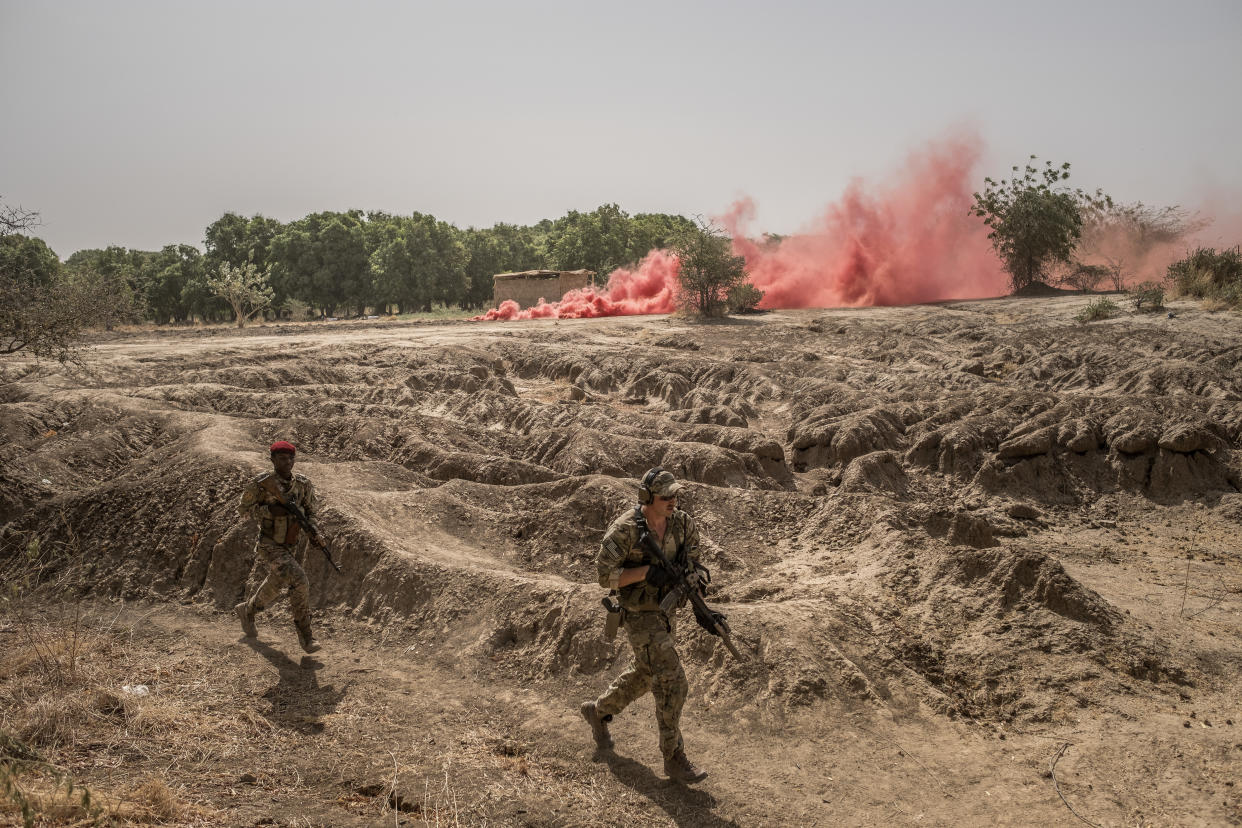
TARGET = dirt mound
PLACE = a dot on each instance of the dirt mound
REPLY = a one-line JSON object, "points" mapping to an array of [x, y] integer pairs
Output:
{"points": [[887, 498]]}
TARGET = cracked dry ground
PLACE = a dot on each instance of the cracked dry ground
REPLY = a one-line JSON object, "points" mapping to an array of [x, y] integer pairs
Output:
{"points": [[952, 538]]}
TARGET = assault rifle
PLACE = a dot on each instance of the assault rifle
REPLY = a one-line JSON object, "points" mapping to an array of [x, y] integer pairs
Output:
{"points": [[684, 586], [270, 485]]}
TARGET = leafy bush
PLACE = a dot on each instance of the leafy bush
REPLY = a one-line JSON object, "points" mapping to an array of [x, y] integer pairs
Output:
{"points": [[298, 310], [1147, 296], [1034, 223], [707, 270], [744, 298], [1103, 308], [1209, 274]]}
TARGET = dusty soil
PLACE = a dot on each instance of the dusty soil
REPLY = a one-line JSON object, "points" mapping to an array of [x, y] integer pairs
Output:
{"points": [[961, 543]]}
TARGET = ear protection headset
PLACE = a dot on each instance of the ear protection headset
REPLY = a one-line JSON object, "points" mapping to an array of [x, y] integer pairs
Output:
{"points": [[645, 495]]}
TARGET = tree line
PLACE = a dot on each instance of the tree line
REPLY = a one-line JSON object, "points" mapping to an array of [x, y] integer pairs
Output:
{"points": [[337, 263]]}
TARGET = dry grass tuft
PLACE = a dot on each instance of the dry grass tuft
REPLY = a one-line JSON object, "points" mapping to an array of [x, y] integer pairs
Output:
{"points": [[154, 797], [52, 721]]}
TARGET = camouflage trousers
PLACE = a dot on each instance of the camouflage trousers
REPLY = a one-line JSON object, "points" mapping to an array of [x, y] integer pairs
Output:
{"points": [[282, 572], [657, 668]]}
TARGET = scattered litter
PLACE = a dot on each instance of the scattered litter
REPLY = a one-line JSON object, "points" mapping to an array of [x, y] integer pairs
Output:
{"points": [[51, 432], [136, 689], [46, 482]]}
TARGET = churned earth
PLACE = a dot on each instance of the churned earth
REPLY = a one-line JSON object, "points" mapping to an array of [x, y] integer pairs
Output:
{"points": [[983, 558]]}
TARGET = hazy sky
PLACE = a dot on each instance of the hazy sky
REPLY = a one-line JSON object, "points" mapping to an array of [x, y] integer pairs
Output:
{"points": [[139, 123]]}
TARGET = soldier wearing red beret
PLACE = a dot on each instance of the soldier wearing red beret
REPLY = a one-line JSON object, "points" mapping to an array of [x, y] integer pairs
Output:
{"points": [[278, 536]]}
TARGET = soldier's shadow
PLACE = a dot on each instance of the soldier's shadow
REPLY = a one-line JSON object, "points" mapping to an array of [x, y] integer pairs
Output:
{"points": [[298, 702], [685, 805]]}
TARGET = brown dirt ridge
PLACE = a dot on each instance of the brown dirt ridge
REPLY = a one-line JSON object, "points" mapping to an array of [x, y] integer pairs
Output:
{"points": [[953, 538]]}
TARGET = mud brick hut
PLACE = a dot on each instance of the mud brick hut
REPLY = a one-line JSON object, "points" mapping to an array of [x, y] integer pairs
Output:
{"points": [[529, 286]]}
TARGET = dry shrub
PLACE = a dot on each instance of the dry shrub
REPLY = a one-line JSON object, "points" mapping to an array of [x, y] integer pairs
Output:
{"points": [[155, 799], [51, 801], [152, 718], [52, 721]]}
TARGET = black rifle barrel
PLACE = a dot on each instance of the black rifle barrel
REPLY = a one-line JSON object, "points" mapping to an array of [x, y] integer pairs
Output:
{"points": [[692, 592]]}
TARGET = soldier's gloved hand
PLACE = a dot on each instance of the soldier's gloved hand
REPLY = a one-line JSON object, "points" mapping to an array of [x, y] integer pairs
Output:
{"points": [[709, 621], [702, 577], [659, 577]]}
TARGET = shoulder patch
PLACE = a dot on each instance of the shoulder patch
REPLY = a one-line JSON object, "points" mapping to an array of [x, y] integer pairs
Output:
{"points": [[301, 478]]}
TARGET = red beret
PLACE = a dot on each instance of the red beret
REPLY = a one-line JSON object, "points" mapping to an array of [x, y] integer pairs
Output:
{"points": [[281, 445]]}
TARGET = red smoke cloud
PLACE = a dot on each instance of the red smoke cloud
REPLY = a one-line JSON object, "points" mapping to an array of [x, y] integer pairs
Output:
{"points": [[649, 289], [910, 241]]}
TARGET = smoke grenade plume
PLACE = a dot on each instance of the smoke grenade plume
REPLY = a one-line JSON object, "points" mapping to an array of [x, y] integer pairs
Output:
{"points": [[911, 240], [651, 288]]}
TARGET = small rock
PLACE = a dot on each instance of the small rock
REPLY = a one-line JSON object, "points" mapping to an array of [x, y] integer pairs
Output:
{"points": [[248, 779], [1023, 511], [1186, 723]]}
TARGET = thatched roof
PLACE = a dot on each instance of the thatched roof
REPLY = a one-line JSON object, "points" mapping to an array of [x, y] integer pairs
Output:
{"points": [[541, 274]]}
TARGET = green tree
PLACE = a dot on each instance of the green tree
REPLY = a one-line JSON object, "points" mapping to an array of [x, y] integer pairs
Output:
{"points": [[707, 269], [502, 248], [486, 256], [419, 262], [164, 278], [236, 240], [28, 260], [323, 259], [1034, 223], [115, 269], [247, 290], [654, 231], [597, 241]]}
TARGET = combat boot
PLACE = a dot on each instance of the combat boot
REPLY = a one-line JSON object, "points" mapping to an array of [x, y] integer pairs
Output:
{"points": [[599, 725], [246, 615], [680, 769], [307, 638]]}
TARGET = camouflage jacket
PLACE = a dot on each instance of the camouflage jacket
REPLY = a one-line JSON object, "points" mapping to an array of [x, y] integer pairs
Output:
{"points": [[278, 528], [620, 550]]}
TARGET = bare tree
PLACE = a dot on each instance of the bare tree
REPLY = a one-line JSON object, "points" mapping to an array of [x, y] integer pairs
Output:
{"points": [[1121, 237], [16, 220], [44, 311]]}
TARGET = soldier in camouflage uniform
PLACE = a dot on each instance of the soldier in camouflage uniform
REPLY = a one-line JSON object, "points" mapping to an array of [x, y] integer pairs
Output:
{"points": [[278, 535], [627, 568]]}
